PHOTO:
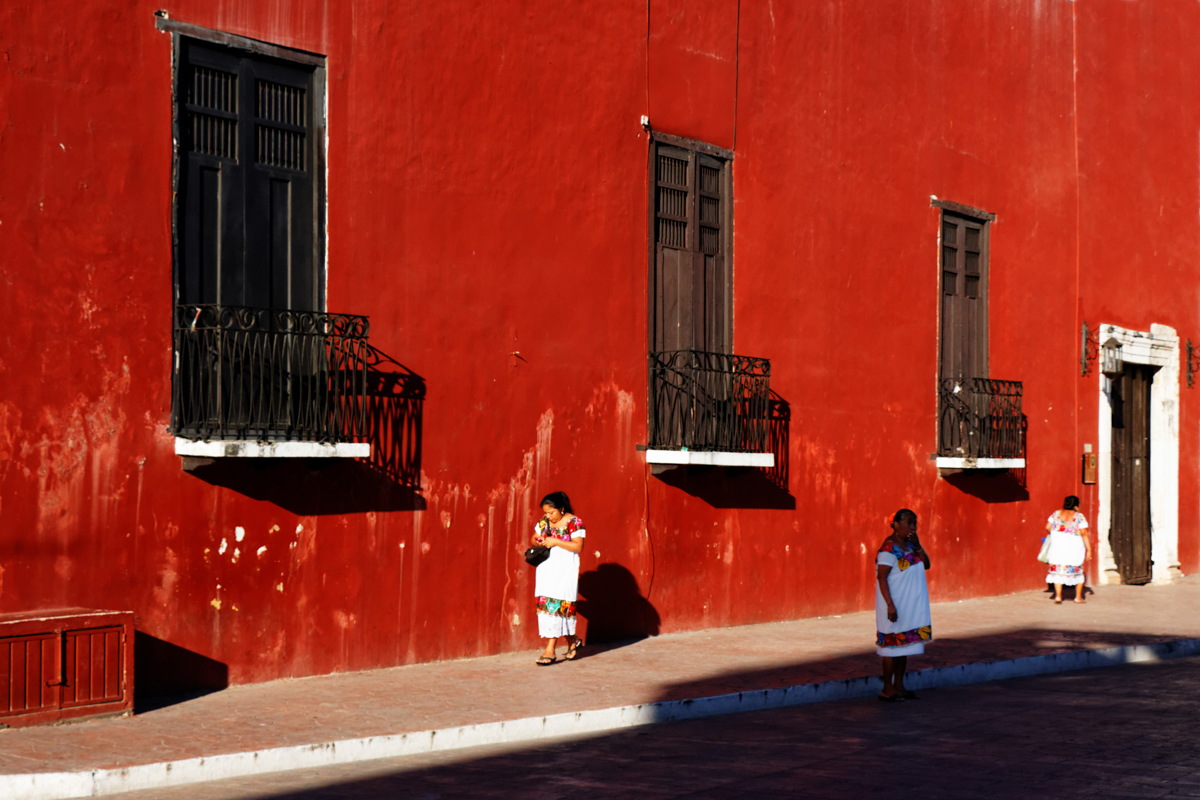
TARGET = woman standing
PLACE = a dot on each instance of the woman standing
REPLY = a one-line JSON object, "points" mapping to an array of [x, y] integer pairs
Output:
{"points": [[557, 583], [901, 603], [1069, 548]]}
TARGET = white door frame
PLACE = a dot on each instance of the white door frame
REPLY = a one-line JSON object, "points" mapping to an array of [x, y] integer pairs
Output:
{"points": [[1160, 348]]}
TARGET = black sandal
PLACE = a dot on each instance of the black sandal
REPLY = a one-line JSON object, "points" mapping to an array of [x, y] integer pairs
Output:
{"points": [[891, 698], [573, 650], [909, 694], [545, 661]]}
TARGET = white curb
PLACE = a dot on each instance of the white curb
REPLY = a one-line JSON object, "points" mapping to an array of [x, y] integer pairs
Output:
{"points": [[92, 783]]}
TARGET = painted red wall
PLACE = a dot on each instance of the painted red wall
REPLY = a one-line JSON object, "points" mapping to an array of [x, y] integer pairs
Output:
{"points": [[488, 194]]}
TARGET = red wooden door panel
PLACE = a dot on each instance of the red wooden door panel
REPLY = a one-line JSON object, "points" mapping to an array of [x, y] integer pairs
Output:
{"points": [[92, 666], [28, 673]]}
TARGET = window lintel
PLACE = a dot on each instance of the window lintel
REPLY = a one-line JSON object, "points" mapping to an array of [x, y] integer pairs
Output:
{"points": [[240, 42], [959, 208], [692, 144]]}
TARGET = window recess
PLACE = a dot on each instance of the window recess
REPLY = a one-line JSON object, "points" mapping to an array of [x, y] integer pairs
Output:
{"points": [[707, 405], [260, 368], [980, 422]]}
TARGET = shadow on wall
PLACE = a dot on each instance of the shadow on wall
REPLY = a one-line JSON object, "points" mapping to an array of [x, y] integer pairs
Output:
{"points": [[743, 487], [390, 480], [991, 486], [165, 674], [612, 603]]}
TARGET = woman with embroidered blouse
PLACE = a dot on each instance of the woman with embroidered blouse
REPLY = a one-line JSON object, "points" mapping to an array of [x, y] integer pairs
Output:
{"points": [[557, 582], [1069, 548], [902, 620]]}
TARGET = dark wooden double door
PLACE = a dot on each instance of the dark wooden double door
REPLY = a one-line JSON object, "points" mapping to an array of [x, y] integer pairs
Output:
{"points": [[1129, 535], [247, 232]]}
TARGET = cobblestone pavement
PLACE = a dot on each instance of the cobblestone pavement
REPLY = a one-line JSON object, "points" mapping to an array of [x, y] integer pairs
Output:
{"points": [[1127, 731], [667, 667]]}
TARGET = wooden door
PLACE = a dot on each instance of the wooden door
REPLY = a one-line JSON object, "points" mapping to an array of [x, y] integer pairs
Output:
{"points": [[690, 296], [1130, 535], [964, 299], [245, 216]]}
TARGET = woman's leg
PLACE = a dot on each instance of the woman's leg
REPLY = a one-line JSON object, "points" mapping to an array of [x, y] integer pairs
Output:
{"points": [[893, 675], [1058, 591], [899, 664], [548, 650]]}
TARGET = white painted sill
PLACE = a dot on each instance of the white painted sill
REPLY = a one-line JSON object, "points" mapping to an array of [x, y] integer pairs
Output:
{"points": [[712, 458], [980, 463], [250, 449]]}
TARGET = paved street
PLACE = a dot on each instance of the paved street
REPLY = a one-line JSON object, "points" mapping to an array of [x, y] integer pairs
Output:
{"points": [[1129, 731]]}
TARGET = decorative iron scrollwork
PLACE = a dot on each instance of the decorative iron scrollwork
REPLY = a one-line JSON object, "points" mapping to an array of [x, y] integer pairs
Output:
{"points": [[1193, 362], [1089, 349], [268, 374], [709, 401], [981, 418]]}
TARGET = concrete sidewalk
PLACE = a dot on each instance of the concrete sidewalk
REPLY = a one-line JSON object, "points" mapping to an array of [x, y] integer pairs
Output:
{"points": [[340, 718]]}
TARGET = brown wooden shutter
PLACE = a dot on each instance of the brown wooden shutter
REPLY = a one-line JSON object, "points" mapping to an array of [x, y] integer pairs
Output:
{"points": [[690, 284], [964, 298]]}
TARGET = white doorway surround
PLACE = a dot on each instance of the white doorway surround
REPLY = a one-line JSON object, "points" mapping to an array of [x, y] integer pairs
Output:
{"points": [[1160, 348]]}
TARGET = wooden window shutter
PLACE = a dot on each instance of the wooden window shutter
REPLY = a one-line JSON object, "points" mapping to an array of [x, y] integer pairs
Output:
{"points": [[245, 218], [964, 298], [690, 292]]}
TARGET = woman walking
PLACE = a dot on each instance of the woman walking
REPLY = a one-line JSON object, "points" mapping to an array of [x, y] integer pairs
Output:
{"points": [[557, 583], [901, 603], [1069, 548]]}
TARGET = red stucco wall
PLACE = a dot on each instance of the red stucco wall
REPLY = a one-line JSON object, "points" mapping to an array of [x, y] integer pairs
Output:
{"points": [[487, 190]]}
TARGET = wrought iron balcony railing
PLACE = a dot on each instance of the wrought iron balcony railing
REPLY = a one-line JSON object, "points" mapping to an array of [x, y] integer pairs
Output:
{"points": [[268, 375], [709, 401], [980, 418]]}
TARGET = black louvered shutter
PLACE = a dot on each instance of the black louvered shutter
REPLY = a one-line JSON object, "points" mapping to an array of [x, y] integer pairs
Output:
{"points": [[246, 181]]}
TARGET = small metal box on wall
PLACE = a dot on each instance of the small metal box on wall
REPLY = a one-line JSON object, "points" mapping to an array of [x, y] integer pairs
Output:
{"points": [[1089, 465], [65, 664]]}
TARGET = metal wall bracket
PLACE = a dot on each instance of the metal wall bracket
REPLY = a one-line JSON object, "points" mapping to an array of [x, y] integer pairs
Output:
{"points": [[1089, 349], [1193, 362]]}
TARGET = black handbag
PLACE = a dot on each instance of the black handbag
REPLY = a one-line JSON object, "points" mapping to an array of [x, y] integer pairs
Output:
{"points": [[536, 555]]}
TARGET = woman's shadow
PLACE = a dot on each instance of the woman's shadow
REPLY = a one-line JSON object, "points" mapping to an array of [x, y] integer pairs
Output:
{"points": [[612, 604]]}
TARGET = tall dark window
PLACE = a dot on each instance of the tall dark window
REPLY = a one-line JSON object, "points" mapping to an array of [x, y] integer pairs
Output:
{"points": [[964, 334], [692, 208], [247, 209]]}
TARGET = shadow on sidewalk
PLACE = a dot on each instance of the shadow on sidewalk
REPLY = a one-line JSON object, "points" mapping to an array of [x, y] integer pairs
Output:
{"points": [[981, 732]]}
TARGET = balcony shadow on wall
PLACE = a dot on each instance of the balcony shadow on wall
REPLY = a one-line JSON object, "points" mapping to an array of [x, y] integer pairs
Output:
{"points": [[991, 486], [743, 487], [165, 674], [390, 480], [612, 603]]}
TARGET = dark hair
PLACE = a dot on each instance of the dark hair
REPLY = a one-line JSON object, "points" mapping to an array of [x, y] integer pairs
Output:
{"points": [[905, 513], [560, 501], [1070, 503]]}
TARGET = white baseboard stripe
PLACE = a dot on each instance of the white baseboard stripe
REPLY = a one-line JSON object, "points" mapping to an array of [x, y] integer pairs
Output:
{"points": [[99, 782]]}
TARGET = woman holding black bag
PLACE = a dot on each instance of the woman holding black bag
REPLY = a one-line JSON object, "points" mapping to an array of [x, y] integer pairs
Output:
{"points": [[557, 583]]}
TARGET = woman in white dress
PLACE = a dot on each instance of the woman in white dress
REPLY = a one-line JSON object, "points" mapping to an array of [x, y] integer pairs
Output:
{"points": [[557, 584], [902, 620], [1069, 548]]}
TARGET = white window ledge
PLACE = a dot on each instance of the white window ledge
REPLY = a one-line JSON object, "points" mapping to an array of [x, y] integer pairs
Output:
{"points": [[980, 463], [710, 458], [250, 449]]}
